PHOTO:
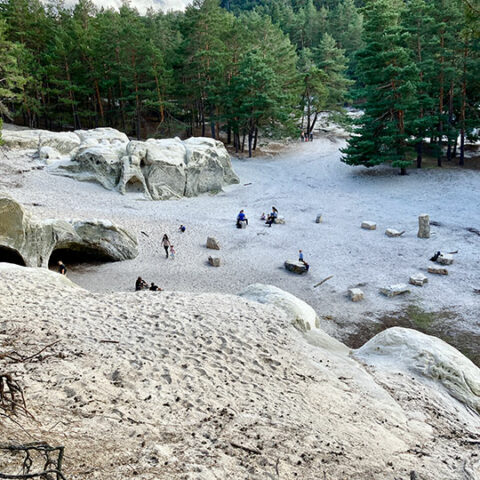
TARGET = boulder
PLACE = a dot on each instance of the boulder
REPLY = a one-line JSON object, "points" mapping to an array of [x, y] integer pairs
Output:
{"points": [[429, 358], [355, 294], [105, 135], [423, 226], [391, 232], [212, 243], [302, 315], [48, 155], [394, 290], [214, 261], [319, 218], [33, 241], [418, 279], [445, 259], [63, 142], [296, 267], [438, 270], [366, 225]]}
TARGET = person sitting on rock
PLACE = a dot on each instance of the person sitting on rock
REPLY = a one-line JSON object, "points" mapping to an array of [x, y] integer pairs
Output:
{"points": [[241, 218], [182, 228], [272, 217], [140, 284], [307, 266], [62, 269]]}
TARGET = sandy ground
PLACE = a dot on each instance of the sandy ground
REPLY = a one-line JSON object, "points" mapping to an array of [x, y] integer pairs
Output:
{"points": [[201, 386], [305, 180]]}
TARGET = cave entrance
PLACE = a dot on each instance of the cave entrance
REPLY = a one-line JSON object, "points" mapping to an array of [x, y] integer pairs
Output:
{"points": [[9, 255], [77, 257], [134, 185]]}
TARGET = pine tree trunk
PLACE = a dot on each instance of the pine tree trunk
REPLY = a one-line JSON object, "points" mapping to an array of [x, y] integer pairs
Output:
{"points": [[403, 171], [229, 135], [462, 148], [419, 153], [463, 108], [440, 102], [250, 140], [243, 140], [450, 121], [256, 138]]}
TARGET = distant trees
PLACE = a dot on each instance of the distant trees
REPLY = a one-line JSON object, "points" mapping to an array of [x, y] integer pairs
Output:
{"points": [[418, 79]]}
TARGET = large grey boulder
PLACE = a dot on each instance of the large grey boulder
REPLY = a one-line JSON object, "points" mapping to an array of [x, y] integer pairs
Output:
{"points": [[296, 267], [431, 359], [33, 241], [423, 226], [63, 142], [161, 169]]}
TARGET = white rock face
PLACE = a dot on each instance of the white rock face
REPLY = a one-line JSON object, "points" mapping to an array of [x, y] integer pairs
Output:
{"points": [[445, 259], [423, 226], [302, 315], [49, 155], [403, 349], [366, 225], [161, 169], [418, 279], [34, 240], [355, 294], [63, 142], [394, 290]]}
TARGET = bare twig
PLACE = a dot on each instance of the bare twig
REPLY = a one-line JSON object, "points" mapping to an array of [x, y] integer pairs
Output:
{"points": [[246, 449], [323, 281]]}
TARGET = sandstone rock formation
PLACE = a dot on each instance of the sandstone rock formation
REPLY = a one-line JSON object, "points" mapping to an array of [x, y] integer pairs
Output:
{"points": [[429, 357], [438, 270], [367, 225], [445, 259], [212, 243], [161, 169], [302, 315], [214, 261], [296, 267], [394, 290], [31, 242], [355, 294], [418, 279], [391, 232], [423, 226]]}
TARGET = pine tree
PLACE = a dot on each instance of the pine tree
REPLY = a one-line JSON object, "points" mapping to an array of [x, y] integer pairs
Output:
{"points": [[389, 77]]}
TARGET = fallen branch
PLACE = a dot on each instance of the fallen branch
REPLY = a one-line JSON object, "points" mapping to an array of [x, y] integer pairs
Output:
{"points": [[109, 341], [323, 281], [21, 359], [246, 449]]}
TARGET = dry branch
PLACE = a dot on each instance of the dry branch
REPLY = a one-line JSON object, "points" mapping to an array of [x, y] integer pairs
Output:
{"points": [[323, 281]]}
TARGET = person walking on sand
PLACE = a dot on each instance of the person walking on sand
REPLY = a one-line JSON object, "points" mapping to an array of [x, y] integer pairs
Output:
{"points": [[172, 252], [62, 269], [166, 244]]}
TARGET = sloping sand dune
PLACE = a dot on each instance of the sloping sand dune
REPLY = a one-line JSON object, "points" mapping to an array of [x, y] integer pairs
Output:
{"points": [[210, 386]]}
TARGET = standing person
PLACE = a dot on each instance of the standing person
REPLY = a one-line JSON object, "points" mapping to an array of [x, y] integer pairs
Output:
{"points": [[300, 256], [302, 136], [62, 269], [311, 136], [166, 244], [172, 252]]}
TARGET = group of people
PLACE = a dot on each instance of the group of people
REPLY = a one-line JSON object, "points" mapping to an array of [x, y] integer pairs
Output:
{"points": [[242, 220], [141, 284], [306, 137]]}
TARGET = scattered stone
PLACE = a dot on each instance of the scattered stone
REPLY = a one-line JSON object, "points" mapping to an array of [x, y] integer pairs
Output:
{"points": [[369, 225], [391, 232], [394, 290], [296, 267], [319, 218], [418, 279], [355, 294], [445, 259], [423, 226], [438, 270], [214, 261], [280, 220], [212, 243]]}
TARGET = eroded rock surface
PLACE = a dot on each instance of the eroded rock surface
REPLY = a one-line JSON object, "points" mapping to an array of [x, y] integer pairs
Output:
{"points": [[32, 241]]}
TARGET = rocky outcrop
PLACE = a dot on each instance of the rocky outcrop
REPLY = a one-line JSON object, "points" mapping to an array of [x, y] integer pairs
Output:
{"points": [[302, 315], [63, 142], [423, 226], [430, 358], [31, 242], [161, 169], [212, 243]]}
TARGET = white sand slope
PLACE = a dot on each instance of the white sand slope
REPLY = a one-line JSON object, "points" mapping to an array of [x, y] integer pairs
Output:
{"points": [[208, 386]]}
